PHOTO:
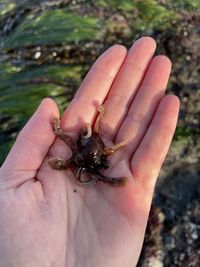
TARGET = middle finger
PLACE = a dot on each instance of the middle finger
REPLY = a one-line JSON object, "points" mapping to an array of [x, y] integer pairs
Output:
{"points": [[126, 84]]}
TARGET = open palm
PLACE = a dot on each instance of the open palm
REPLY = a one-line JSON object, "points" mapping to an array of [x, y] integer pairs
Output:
{"points": [[48, 220]]}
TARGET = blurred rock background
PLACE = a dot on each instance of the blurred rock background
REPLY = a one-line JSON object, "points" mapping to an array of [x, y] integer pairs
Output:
{"points": [[47, 48]]}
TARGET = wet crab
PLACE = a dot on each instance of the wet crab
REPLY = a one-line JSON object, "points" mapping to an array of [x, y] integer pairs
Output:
{"points": [[89, 154]]}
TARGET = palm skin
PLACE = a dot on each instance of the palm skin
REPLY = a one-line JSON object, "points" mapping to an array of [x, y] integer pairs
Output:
{"points": [[45, 218]]}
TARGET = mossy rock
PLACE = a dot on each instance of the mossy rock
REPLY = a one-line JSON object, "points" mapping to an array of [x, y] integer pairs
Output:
{"points": [[52, 27], [23, 89]]}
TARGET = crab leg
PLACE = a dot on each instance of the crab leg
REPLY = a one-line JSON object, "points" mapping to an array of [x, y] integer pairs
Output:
{"points": [[59, 132], [101, 111], [112, 149], [92, 181], [120, 181]]}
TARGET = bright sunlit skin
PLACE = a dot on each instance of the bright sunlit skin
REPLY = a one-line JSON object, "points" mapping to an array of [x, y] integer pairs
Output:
{"points": [[46, 219]]}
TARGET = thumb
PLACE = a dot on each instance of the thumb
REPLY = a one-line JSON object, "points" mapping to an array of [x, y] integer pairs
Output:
{"points": [[34, 140]]}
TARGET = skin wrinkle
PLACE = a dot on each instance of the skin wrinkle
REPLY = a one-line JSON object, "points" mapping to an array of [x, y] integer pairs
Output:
{"points": [[165, 139], [93, 80], [110, 75], [101, 61], [111, 203], [140, 67], [119, 100], [147, 87], [42, 189], [149, 123], [157, 159], [147, 182], [82, 98], [68, 231], [75, 225], [141, 119], [28, 140], [38, 197], [94, 224], [136, 117], [13, 182], [95, 227], [155, 118], [169, 126], [108, 59], [19, 185], [42, 172], [124, 215], [124, 108], [44, 208], [112, 207], [25, 137], [142, 137]]}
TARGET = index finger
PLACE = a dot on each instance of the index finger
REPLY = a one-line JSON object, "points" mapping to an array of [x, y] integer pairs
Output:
{"points": [[93, 89]]}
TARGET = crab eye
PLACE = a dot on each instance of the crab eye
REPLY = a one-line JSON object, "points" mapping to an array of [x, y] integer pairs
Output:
{"points": [[95, 157]]}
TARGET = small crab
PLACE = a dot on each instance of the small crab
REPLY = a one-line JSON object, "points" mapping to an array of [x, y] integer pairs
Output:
{"points": [[89, 154]]}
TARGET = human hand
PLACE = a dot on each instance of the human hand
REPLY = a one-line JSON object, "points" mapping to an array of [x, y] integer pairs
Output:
{"points": [[43, 221]]}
